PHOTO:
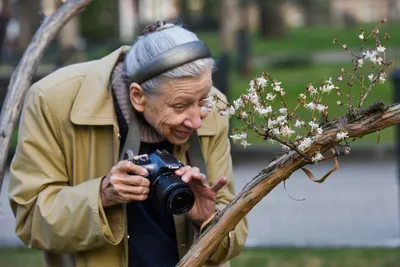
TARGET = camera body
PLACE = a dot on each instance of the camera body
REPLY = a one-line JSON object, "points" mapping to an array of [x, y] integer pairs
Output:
{"points": [[168, 189]]}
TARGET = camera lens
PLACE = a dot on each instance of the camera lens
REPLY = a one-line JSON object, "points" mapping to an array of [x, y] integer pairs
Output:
{"points": [[175, 196], [180, 201]]}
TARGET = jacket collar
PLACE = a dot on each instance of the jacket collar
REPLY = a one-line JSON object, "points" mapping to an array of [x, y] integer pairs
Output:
{"points": [[94, 104]]}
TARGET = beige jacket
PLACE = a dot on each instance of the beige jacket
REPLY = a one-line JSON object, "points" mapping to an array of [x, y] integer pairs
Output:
{"points": [[68, 141]]}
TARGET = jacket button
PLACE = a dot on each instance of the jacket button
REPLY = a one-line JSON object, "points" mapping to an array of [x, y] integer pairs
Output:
{"points": [[127, 236], [119, 136]]}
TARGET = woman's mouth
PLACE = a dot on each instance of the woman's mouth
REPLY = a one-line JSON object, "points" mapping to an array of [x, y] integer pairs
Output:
{"points": [[184, 133]]}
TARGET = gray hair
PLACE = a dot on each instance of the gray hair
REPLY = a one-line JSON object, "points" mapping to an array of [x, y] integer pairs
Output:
{"points": [[151, 45]]}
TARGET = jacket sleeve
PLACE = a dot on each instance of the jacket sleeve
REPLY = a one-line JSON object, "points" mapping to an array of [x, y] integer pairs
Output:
{"points": [[50, 214], [219, 164]]}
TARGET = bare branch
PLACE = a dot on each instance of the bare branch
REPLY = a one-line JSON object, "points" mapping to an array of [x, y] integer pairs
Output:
{"points": [[370, 120], [22, 76]]}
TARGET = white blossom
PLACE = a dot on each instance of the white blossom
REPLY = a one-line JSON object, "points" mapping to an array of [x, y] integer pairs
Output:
{"points": [[382, 79], [205, 109], [272, 123], [381, 49], [276, 131], [244, 114], [299, 123], [254, 98], [313, 125], [339, 103], [321, 107], [282, 119], [262, 82], [239, 136], [251, 84], [376, 60], [263, 111], [302, 96], [312, 90], [361, 36], [360, 62], [245, 144], [283, 110], [286, 131], [319, 130], [238, 103], [328, 86], [228, 112], [210, 102], [371, 77], [310, 105], [277, 86], [340, 78], [305, 143], [318, 157], [341, 135], [370, 54], [270, 96]]}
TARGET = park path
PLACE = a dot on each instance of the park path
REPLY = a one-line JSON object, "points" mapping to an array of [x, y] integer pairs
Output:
{"points": [[358, 205]]}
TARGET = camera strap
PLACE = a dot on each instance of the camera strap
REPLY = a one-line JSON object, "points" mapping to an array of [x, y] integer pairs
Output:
{"points": [[194, 153]]}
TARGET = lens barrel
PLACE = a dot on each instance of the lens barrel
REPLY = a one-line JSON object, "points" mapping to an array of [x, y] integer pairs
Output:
{"points": [[176, 196]]}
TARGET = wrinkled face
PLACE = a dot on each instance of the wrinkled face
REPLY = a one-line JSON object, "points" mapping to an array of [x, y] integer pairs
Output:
{"points": [[177, 111]]}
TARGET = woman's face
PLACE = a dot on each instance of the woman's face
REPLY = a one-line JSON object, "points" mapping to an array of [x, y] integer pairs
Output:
{"points": [[177, 111]]}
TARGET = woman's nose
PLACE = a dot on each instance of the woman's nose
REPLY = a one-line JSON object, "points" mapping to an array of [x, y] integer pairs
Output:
{"points": [[194, 119]]}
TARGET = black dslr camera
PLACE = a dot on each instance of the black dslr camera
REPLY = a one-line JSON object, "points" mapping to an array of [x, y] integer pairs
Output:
{"points": [[173, 195]]}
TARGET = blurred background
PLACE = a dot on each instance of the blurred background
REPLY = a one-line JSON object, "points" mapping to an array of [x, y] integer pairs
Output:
{"points": [[353, 219]]}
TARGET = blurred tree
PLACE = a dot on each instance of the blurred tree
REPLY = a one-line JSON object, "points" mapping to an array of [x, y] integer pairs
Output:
{"points": [[243, 39], [271, 20], [394, 12], [228, 24], [200, 14], [5, 13], [29, 20], [99, 22], [68, 38]]}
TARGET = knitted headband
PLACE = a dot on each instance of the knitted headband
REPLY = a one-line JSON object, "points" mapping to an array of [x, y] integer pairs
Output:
{"points": [[170, 59]]}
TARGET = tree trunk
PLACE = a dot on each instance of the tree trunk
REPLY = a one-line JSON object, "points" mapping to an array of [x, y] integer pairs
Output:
{"points": [[228, 24], [271, 20], [372, 119], [22, 76], [29, 20]]}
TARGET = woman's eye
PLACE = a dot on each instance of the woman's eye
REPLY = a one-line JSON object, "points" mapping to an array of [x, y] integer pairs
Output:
{"points": [[179, 107]]}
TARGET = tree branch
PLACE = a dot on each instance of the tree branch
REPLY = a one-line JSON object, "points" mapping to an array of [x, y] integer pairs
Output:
{"points": [[21, 78], [372, 119]]}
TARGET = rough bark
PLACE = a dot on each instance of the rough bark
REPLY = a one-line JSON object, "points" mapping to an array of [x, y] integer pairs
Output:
{"points": [[370, 120], [22, 76]]}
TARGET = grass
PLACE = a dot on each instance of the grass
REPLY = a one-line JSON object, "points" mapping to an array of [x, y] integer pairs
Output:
{"points": [[259, 257], [318, 257], [307, 39], [294, 80]]}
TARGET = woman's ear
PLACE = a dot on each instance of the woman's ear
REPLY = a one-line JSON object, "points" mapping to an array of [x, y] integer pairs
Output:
{"points": [[136, 95]]}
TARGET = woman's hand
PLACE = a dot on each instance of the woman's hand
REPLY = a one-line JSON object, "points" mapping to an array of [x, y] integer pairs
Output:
{"points": [[124, 183], [205, 196]]}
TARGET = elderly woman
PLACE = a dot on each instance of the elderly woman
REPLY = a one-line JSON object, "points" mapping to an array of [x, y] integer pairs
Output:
{"points": [[72, 194]]}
